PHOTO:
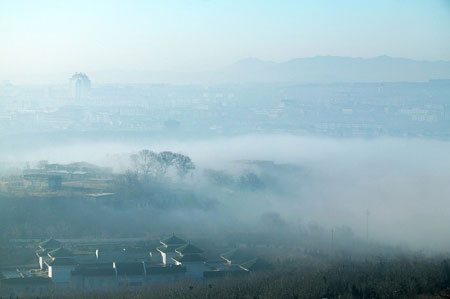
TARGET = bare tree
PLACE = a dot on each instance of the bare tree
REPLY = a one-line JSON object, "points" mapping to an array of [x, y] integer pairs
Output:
{"points": [[166, 159], [147, 163], [144, 161], [183, 165]]}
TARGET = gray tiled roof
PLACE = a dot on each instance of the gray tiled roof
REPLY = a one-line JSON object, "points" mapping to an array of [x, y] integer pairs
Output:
{"points": [[166, 249], [188, 249], [190, 258], [173, 240], [50, 243], [42, 252], [62, 261], [60, 252]]}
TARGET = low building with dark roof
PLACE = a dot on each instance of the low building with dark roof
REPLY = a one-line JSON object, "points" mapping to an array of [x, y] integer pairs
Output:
{"points": [[60, 271], [190, 256], [44, 248], [168, 247], [60, 253], [131, 267], [188, 249], [42, 255], [61, 261]]}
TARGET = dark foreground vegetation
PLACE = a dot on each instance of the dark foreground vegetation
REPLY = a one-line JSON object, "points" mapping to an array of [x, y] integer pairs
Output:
{"points": [[400, 277]]}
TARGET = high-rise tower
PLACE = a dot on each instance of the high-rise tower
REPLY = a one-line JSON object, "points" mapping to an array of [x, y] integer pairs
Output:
{"points": [[80, 86]]}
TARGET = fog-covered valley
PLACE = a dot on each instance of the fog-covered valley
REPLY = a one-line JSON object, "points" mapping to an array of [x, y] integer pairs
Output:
{"points": [[283, 182], [224, 149]]}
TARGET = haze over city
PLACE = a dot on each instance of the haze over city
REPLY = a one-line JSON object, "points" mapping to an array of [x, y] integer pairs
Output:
{"points": [[224, 149]]}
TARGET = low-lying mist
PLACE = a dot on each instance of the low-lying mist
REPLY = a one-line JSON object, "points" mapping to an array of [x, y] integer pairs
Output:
{"points": [[282, 182]]}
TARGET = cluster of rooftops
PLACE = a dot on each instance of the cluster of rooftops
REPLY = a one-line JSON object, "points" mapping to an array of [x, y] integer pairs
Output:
{"points": [[174, 259], [180, 251], [174, 256]]}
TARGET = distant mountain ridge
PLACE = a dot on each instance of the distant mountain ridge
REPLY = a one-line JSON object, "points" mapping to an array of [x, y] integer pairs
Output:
{"points": [[330, 69], [318, 69]]}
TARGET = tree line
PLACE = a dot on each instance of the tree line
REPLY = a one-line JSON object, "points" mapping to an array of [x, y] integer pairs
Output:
{"points": [[147, 163]]}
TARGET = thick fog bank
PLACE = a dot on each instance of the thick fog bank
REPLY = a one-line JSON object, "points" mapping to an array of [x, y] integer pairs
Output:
{"points": [[404, 184]]}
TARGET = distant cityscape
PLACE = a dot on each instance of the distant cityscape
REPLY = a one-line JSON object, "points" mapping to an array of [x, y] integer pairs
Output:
{"points": [[339, 110], [224, 149]]}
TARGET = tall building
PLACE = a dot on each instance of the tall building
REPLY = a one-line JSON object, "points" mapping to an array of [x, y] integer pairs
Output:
{"points": [[80, 86]]}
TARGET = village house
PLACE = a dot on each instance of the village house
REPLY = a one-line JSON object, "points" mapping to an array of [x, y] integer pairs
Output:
{"points": [[60, 269], [168, 247]]}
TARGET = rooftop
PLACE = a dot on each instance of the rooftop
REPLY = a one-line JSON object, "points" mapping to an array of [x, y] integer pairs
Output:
{"points": [[50, 244], [188, 249], [61, 261], [42, 252], [190, 258], [60, 252], [173, 240], [165, 249]]}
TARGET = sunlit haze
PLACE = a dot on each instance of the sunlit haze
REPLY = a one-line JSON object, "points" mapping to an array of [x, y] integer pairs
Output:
{"points": [[225, 149], [51, 37]]}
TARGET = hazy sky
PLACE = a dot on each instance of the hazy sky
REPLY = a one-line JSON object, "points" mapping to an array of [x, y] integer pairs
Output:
{"points": [[65, 36]]}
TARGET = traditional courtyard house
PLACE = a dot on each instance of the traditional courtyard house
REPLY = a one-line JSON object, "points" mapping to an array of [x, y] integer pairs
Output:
{"points": [[60, 267], [167, 248], [44, 248], [190, 256], [120, 266], [42, 255]]}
